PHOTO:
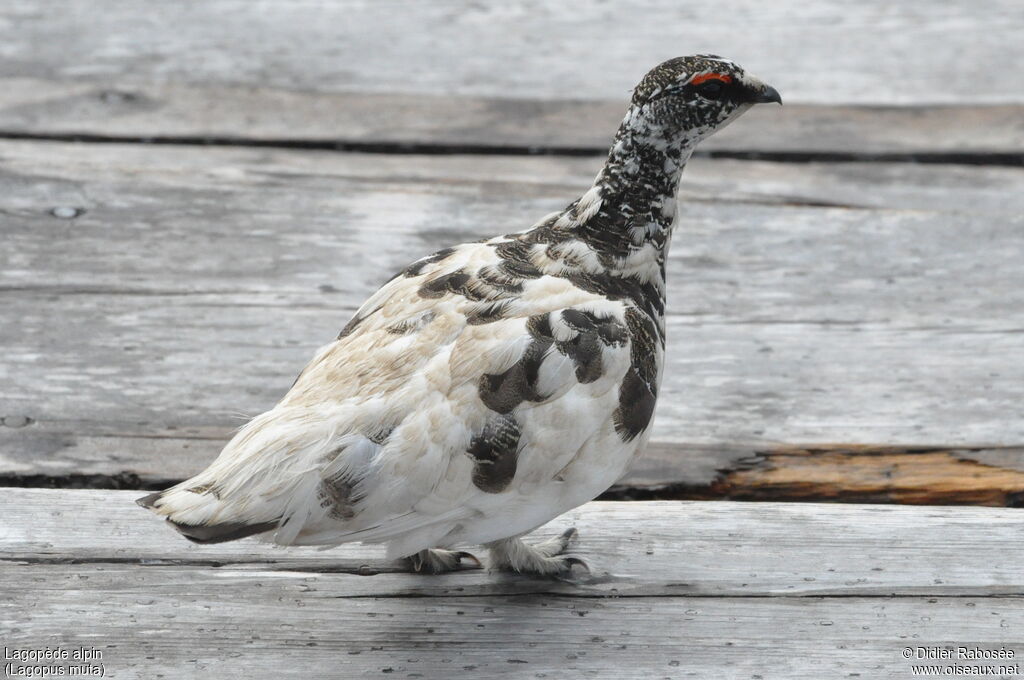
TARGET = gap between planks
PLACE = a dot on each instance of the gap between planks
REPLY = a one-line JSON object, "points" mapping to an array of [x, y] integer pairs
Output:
{"points": [[427, 148], [991, 476]]}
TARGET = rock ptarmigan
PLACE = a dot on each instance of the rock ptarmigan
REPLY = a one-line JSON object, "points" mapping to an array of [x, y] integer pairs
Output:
{"points": [[491, 386]]}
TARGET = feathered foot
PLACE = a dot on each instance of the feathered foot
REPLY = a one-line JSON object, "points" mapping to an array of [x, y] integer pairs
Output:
{"points": [[544, 559], [439, 561]]}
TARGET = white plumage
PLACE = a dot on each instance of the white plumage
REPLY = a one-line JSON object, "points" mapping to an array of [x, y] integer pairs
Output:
{"points": [[487, 388]]}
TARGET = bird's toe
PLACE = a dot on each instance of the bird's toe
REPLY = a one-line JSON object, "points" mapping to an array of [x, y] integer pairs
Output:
{"points": [[476, 563], [439, 561], [542, 559], [558, 544], [559, 565], [571, 562]]}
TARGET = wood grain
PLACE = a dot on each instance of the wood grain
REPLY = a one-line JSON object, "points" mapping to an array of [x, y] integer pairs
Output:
{"points": [[706, 589], [838, 331], [170, 622], [167, 622], [527, 73], [907, 53], [811, 304], [246, 115], [823, 472], [663, 548]]}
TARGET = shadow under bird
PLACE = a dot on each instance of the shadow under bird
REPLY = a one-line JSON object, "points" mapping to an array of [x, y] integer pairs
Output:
{"points": [[491, 386]]}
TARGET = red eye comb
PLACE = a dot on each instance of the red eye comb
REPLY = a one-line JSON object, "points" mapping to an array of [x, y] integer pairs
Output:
{"points": [[704, 77]]}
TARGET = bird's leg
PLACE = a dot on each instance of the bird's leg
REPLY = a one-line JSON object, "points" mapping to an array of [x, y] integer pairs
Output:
{"points": [[546, 558], [439, 561]]}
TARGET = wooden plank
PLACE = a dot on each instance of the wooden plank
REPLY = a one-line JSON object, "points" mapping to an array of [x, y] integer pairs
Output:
{"points": [[663, 548], [825, 472], [59, 455], [152, 365], [197, 283], [302, 218], [156, 622], [466, 73], [706, 589], [244, 115], [906, 53]]}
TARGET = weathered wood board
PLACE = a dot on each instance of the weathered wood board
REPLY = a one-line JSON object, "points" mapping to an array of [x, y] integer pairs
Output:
{"points": [[905, 53], [399, 123], [714, 589], [265, 626], [841, 331], [708, 548], [522, 74], [809, 304]]}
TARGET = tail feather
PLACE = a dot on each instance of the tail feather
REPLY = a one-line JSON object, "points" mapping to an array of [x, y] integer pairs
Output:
{"points": [[270, 477], [149, 501], [218, 532]]}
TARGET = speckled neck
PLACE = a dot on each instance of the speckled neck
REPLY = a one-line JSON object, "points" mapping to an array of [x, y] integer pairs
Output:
{"points": [[641, 175], [628, 214]]}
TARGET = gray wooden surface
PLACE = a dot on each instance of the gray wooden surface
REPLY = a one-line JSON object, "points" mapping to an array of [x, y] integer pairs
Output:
{"points": [[237, 114], [872, 77], [678, 589], [872, 52], [844, 324], [837, 330], [857, 304]]}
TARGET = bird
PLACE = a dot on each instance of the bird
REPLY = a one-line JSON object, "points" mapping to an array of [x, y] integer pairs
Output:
{"points": [[489, 387]]}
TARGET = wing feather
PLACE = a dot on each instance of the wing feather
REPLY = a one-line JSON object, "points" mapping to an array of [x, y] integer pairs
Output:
{"points": [[461, 383]]}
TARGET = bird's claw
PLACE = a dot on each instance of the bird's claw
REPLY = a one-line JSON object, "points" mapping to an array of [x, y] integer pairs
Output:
{"points": [[571, 562], [439, 561], [462, 555]]}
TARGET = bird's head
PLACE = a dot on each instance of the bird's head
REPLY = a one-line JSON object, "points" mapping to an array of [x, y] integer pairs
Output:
{"points": [[686, 99]]}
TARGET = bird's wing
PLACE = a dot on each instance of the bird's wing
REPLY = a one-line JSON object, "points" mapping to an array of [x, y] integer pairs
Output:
{"points": [[468, 376]]}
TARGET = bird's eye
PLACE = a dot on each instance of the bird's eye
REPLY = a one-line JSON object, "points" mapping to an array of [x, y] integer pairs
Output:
{"points": [[711, 89]]}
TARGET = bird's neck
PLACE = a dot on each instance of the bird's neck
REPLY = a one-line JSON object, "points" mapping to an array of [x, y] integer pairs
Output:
{"points": [[628, 214]]}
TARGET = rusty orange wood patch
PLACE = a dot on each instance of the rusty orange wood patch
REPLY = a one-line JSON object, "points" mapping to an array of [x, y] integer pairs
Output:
{"points": [[851, 473]]}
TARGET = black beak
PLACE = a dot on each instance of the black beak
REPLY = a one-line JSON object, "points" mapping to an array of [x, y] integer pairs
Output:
{"points": [[768, 94]]}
